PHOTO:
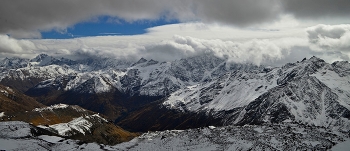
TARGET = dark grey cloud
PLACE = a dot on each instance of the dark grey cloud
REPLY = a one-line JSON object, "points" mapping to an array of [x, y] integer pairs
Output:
{"points": [[27, 18], [318, 8], [240, 13], [330, 37]]}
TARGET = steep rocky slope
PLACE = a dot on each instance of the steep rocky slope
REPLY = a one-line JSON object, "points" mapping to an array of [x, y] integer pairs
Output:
{"points": [[60, 120], [311, 92], [12, 101]]}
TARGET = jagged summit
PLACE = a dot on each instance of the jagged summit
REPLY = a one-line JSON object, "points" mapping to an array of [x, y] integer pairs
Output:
{"points": [[39, 58], [13, 63], [152, 62], [314, 59], [142, 60], [44, 59]]}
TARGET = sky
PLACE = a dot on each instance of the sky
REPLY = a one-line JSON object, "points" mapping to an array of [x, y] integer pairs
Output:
{"points": [[271, 32]]}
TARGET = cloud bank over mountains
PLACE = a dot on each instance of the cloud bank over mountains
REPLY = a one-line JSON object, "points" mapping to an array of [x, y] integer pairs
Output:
{"points": [[259, 32], [279, 47]]}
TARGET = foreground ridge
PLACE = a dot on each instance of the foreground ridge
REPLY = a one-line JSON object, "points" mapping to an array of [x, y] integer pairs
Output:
{"points": [[21, 135]]}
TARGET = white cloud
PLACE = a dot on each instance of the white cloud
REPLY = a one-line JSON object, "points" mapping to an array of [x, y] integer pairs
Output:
{"points": [[329, 37], [165, 43], [175, 41], [330, 40], [11, 45], [253, 51]]}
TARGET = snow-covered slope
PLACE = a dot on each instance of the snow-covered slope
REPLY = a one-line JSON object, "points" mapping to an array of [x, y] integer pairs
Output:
{"points": [[52, 107], [81, 125], [13, 63], [337, 77], [232, 90], [311, 92], [17, 135], [15, 129]]}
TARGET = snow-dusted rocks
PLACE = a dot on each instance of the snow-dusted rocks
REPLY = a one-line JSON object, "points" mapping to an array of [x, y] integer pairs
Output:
{"points": [[18, 136], [15, 129], [263, 137], [78, 125], [52, 107], [64, 121]]}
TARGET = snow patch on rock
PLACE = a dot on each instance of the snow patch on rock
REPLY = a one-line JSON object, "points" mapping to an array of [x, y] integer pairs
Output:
{"points": [[79, 124], [52, 107], [2, 114]]}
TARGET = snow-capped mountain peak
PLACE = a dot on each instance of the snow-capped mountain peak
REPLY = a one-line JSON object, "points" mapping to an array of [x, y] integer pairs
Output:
{"points": [[39, 58], [13, 63], [308, 91]]}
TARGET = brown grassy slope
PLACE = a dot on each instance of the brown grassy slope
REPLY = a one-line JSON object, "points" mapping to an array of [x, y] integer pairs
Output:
{"points": [[12, 101], [50, 117], [104, 132]]}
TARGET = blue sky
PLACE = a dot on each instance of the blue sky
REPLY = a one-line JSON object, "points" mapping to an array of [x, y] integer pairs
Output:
{"points": [[106, 26]]}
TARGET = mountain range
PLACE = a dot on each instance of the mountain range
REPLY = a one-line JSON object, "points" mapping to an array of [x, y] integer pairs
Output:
{"points": [[189, 93]]}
